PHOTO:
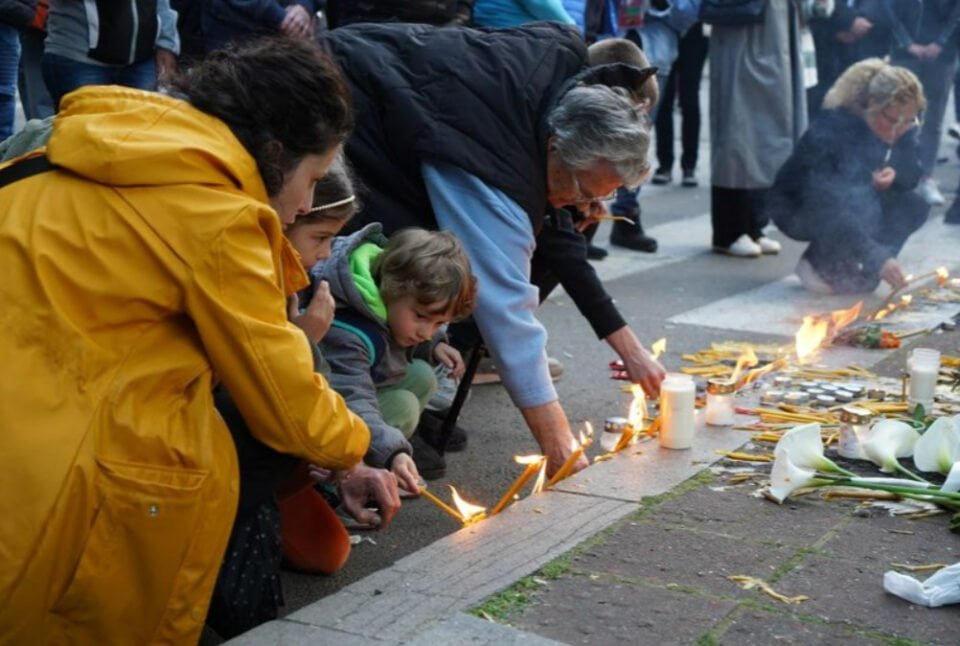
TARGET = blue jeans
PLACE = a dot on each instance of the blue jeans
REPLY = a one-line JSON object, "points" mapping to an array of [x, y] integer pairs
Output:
{"points": [[9, 68], [63, 75]]}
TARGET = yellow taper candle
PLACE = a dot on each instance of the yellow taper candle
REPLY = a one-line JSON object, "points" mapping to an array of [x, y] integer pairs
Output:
{"points": [[533, 465], [439, 503]]}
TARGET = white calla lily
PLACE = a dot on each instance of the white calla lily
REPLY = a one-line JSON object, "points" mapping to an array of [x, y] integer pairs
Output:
{"points": [[939, 446], [952, 483], [804, 447], [786, 477], [888, 440]]}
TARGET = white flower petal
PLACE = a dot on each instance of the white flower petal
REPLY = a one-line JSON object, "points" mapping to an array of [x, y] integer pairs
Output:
{"points": [[888, 440], [952, 483], [786, 477], [939, 446]]}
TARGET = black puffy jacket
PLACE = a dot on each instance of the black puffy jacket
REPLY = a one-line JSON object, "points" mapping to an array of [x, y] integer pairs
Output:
{"points": [[17, 13]]}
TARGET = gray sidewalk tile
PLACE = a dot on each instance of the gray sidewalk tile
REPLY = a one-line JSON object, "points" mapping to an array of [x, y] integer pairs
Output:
{"points": [[851, 590], [467, 630], [292, 633], [664, 555], [757, 628], [578, 610]]}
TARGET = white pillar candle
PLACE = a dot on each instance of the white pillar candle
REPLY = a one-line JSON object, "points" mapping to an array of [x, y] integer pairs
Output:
{"points": [[677, 407], [924, 368]]}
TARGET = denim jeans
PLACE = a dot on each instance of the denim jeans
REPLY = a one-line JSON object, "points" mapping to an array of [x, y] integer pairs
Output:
{"points": [[9, 66], [63, 75]]}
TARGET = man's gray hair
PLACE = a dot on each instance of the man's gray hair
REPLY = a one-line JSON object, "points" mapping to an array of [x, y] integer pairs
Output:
{"points": [[594, 122]]}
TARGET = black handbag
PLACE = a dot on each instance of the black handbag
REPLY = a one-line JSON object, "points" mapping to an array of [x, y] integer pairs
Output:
{"points": [[732, 13]]}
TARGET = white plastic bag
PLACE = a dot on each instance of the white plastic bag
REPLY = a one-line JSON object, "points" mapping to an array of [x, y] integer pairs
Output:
{"points": [[939, 590]]}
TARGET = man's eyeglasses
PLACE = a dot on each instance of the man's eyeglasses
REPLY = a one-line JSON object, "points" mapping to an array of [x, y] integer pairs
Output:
{"points": [[583, 198]]}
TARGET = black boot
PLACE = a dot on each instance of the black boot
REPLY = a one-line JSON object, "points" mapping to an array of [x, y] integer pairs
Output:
{"points": [[596, 253], [630, 234], [430, 463]]}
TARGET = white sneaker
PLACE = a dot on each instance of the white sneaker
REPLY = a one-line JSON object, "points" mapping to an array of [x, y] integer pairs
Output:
{"points": [[768, 246], [930, 192], [742, 247]]}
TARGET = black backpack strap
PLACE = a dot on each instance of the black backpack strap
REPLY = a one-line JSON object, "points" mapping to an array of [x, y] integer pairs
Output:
{"points": [[25, 168]]}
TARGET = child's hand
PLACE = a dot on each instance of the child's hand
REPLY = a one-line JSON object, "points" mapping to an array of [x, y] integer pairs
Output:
{"points": [[892, 273], [883, 178], [450, 357], [316, 319], [406, 471]]}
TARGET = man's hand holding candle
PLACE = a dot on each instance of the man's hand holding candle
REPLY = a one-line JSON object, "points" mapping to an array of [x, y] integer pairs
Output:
{"points": [[642, 368]]}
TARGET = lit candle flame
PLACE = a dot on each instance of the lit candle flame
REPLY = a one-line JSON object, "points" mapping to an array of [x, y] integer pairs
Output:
{"points": [[842, 318], [638, 407], [747, 359], [468, 511], [659, 347], [541, 478], [906, 299], [809, 337], [942, 276], [882, 314], [527, 459]]}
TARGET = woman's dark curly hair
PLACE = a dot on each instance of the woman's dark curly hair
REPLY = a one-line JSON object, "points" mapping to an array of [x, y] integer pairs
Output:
{"points": [[283, 98]]}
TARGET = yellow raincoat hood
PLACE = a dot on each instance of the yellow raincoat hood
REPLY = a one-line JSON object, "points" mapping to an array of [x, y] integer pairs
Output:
{"points": [[144, 269]]}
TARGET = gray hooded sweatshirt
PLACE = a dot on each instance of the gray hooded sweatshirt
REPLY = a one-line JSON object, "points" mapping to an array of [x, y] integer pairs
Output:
{"points": [[354, 373]]}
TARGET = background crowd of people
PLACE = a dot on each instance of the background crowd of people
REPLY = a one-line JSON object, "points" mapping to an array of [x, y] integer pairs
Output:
{"points": [[285, 247]]}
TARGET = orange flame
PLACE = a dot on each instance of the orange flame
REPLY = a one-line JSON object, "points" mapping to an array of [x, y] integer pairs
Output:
{"points": [[468, 511], [541, 479], [809, 337], [638, 407], [842, 318], [527, 459], [747, 359], [659, 347], [942, 276], [906, 299], [882, 314]]}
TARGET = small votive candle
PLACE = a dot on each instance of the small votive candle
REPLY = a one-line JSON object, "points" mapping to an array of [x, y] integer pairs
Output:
{"points": [[877, 393], [782, 381], [843, 396], [771, 397], [824, 401], [719, 402], [677, 408], [854, 424], [796, 397]]}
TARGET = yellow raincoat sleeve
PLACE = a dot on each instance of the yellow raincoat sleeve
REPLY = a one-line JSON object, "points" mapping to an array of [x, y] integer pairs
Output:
{"points": [[239, 307]]}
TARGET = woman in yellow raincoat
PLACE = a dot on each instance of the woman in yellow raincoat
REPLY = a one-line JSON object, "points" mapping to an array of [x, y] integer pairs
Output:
{"points": [[146, 264]]}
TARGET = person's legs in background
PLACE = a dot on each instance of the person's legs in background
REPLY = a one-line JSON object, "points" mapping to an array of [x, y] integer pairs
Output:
{"points": [[142, 75], [664, 128], [63, 75], [734, 222], [689, 72], [659, 43], [9, 65], [34, 97], [937, 78]]}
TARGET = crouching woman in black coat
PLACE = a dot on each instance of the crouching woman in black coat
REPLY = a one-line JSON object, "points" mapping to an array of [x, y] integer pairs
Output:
{"points": [[848, 187]]}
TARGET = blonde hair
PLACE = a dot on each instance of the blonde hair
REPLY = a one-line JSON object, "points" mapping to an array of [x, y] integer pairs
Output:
{"points": [[430, 266], [871, 85], [621, 50]]}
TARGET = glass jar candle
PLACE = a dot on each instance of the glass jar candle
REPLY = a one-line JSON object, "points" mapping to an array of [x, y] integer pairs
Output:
{"points": [[924, 368], [720, 402], [677, 408], [854, 424]]}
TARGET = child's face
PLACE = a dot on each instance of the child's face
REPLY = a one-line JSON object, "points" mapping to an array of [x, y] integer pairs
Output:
{"points": [[412, 323], [312, 240]]}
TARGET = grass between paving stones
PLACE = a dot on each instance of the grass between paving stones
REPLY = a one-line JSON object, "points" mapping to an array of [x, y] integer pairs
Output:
{"points": [[507, 604], [714, 635]]}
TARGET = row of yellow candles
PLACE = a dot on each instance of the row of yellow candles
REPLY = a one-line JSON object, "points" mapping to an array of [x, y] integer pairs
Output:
{"points": [[537, 463]]}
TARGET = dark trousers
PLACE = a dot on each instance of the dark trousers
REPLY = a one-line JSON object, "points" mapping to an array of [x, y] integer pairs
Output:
{"points": [[831, 256], [683, 85], [735, 211]]}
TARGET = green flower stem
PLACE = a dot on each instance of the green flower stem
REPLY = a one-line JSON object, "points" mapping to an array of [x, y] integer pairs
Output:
{"points": [[910, 474]]}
